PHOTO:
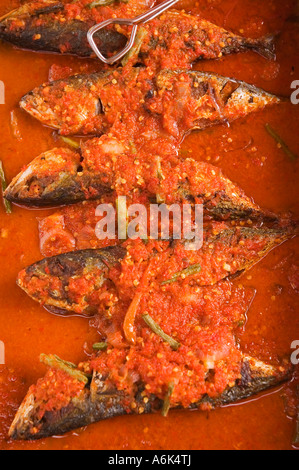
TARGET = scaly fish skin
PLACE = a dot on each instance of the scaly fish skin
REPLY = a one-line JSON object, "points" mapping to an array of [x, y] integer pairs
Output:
{"points": [[52, 26], [55, 178], [85, 104], [181, 100], [176, 39], [99, 402], [205, 99], [46, 281], [60, 27], [63, 176], [54, 282]]}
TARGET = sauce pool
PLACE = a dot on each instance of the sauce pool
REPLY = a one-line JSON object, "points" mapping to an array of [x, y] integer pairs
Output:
{"points": [[250, 158]]}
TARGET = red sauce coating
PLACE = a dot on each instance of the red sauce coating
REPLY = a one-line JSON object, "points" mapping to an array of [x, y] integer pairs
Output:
{"points": [[248, 157], [54, 391]]}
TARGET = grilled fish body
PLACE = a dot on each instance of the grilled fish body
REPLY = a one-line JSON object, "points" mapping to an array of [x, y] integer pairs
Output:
{"points": [[182, 100], [61, 27], [197, 100], [52, 26], [62, 176], [98, 402], [54, 282]]}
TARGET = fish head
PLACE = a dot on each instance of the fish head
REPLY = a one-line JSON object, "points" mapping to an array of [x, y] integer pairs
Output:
{"points": [[66, 284], [46, 180], [77, 105]]}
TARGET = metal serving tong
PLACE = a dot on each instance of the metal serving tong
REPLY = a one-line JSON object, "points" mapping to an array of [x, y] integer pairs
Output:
{"points": [[135, 22]]}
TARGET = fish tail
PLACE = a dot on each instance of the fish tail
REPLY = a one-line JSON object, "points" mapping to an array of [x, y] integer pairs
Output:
{"points": [[265, 46]]}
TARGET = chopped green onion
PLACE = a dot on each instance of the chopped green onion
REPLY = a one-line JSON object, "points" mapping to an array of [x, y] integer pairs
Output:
{"points": [[166, 404], [195, 268], [6, 203], [71, 142], [141, 33], [158, 330], [56, 363], [100, 346], [279, 140]]}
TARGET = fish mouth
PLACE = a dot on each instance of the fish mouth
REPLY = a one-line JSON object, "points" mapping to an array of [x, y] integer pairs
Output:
{"points": [[32, 104]]}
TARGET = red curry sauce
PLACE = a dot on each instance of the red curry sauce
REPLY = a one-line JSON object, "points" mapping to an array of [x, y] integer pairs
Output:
{"points": [[248, 156]]}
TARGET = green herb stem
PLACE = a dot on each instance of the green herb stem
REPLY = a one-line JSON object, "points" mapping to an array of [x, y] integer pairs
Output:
{"points": [[71, 142], [158, 330], [100, 3], [166, 404], [71, 369], [281, 142], [100, 346], [194, 269]]}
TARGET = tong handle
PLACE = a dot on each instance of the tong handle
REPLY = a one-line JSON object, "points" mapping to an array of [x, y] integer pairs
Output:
{"points": [[154, 12], [143, 18]]}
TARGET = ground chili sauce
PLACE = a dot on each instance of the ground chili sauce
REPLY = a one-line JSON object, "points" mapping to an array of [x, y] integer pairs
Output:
{"points": [[245, 162]]}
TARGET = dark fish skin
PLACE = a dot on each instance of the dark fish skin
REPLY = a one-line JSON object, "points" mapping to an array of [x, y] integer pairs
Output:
{"points": [[70, 34], [197, 43], [62, 176], [67, 184], [224, 255], [39, 29], [216, 100], [97, 405], [85, 90], [71, 266], [54, 35], [233, 238], [200, 98]]}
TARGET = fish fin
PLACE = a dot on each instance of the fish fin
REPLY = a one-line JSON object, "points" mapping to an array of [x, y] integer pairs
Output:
{"points": [[266, 46]]}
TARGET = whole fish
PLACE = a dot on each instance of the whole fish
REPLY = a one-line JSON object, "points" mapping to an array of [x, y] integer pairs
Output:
{"points": [[182, 101], [61, 27], [63, 176], [174, 39], [97, 401], [74, 282]]}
